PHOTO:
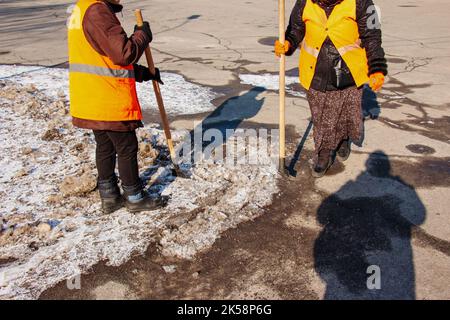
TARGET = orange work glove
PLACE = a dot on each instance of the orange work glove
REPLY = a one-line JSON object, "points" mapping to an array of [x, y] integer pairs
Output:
{"points": [[376, 81], [280, 48]]}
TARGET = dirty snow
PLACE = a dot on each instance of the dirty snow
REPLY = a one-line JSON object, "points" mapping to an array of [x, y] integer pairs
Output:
{"points": [[180, 96], [271, 82], [35, 172]]}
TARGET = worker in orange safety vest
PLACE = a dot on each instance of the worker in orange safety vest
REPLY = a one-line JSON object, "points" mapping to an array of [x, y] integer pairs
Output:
{"points": [[340, 51], [103, 75]]}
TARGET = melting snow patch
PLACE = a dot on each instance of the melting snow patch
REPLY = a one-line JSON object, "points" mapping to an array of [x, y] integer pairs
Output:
{"points": [[52, 232], [271, 82], [180, 96]]}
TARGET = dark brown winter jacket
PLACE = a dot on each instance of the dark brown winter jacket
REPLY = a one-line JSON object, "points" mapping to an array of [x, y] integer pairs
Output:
{"points": [[105, 34], [325, 75]]}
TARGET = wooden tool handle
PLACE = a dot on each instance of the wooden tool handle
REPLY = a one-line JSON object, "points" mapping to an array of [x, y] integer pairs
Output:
{"points": [[156, 88], [139, 18], [281, 20], [148, 52]]}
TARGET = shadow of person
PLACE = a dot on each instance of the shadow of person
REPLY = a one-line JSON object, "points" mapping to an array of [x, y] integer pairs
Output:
{"points": [[231, 113], [222, 122], [368, 223], [371, 110], [370, 106], [228, 116]]}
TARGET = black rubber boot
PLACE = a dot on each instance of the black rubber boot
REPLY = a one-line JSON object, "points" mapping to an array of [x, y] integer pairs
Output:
{"points": [[138, 200], [110, 195], [343, 151], [322, 164]]}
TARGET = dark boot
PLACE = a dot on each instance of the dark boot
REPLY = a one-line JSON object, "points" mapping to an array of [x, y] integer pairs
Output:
{"points": [[138, 200], [322, 164], [343, 151], [110, 195]]}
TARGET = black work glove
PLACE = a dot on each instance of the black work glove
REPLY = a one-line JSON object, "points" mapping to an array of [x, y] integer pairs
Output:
{"points": [[147, 76], [146, 28], [143, 74]]}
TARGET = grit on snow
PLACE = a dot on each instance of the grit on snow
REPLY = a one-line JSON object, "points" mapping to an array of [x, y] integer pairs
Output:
{"points": [[51, 225]]}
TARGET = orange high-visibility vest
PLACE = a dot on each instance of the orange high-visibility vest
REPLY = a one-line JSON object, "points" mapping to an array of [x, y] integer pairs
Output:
{"points": [[99, 89], [342, 29]]}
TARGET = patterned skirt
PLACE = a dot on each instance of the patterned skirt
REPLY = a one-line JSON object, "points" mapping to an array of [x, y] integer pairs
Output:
{"points": [[336, 115]]}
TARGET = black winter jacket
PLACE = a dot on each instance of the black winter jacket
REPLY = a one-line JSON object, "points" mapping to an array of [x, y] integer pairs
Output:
{"points": [[325, 77]]}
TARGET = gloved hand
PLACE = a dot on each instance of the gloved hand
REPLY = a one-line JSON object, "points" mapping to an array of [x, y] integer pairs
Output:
{"points": [[147, 76], [376, 81], [146, 28], [280, 48]]}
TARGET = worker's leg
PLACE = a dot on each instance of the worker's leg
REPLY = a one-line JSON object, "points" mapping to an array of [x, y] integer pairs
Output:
{"points": [[126, 147], [105, 155], [137, 199], [107, 180], [336, 117], [351, 125], [322, 156]]}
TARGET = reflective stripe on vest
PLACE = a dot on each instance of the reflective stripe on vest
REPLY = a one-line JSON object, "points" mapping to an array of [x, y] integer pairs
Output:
{"points": [[355, 46], [312, 51], [99, 89], [102, 71], [342, 29]]}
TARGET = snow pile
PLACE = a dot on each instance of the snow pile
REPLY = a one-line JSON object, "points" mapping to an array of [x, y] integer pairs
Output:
{"points": [[272, 82], [180, 96], [51, 228]]}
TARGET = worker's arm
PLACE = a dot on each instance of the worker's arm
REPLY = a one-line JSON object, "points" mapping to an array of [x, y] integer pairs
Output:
{"points": [[107, 37], [370, 34], [295, 31]]}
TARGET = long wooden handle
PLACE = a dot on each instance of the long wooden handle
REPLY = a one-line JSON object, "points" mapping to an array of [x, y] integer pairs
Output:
{"points": [[157, 89], [282, 94]]}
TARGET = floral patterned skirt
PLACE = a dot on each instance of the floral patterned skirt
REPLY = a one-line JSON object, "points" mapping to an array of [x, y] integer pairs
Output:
{"points": [[336, 115]]}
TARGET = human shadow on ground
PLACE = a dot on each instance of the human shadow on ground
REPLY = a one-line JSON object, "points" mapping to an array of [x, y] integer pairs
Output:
{"points": [[368, 222], [224, 120], [228, 116], [370, 106]]}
